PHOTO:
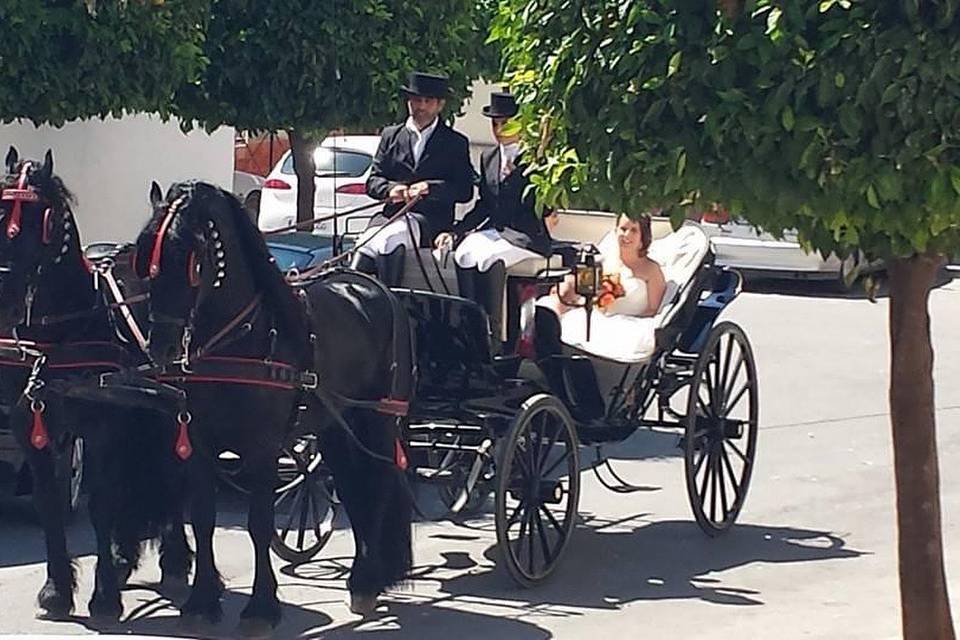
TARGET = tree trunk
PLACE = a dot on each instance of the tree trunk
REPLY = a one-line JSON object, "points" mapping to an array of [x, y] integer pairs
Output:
{"points": [[923, 587], [301, 148]]}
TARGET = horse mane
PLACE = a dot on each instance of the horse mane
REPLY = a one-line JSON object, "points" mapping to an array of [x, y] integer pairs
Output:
{"points": [[268, 279]]}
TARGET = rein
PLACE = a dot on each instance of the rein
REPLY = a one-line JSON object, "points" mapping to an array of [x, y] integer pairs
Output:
{"points": [[327, 264], [314, 221]]}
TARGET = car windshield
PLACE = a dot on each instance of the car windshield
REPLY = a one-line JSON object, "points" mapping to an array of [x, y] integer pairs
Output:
{"points": [[331, 163]]}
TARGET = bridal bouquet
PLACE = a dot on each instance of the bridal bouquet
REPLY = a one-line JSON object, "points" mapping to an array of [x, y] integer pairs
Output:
{"points": [[609, 290]]}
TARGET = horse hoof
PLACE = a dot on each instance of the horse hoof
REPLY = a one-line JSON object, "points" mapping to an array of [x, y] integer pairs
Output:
{"points": [[174, 588], [105, 612], [55, 607], [254, 629], [363, 605]]}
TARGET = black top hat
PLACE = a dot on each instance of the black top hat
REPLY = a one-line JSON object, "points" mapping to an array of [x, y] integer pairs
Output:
{"points": [[428, 85], [502, 105]]}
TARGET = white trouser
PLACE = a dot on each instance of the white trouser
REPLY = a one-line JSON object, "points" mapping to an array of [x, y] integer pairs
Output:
{"points": [[385, 239], [481, 249]]}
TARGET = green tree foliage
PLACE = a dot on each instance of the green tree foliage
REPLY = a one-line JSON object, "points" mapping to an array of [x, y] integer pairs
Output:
{"points": [[840, 119], [308, 67], [73, 59]]}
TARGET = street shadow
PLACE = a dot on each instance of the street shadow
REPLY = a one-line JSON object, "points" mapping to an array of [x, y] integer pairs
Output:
{"points": [[433, 621], [609, 565], [155, 615]]}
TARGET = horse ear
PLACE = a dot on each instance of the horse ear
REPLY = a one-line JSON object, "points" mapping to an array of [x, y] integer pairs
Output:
{"points": [[156, 194], [12, 158], [47, 169]]}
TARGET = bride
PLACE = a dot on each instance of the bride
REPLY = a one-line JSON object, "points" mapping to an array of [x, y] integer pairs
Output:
{"points": [[624, 257]]}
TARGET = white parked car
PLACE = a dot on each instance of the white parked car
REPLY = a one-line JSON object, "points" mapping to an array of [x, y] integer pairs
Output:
{"points": [[342, 164], [739, 245], [247, 187]]}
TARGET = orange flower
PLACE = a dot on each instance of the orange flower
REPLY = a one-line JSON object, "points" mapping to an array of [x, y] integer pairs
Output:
{"points": [[609, 290]]}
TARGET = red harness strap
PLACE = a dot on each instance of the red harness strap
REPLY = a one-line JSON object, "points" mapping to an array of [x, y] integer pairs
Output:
{"points": [[157, 251], [19, 195]]}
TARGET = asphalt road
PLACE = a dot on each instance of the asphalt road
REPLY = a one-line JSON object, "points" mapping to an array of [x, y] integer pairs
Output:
{"points": [[813, 555]]}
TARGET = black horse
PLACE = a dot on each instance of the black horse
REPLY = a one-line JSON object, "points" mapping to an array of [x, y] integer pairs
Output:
{"points": [[260, 361], [59, 333]]}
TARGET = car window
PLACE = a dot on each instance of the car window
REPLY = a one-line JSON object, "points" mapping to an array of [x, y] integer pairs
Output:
{"points": [[339, 162]]}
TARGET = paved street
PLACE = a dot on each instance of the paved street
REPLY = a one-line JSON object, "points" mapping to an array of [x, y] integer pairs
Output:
{"points": [[813, 557]]}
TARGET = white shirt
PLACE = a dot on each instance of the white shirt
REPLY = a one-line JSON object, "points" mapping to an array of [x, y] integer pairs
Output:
{"points": [[420, 137], [508, 158]]}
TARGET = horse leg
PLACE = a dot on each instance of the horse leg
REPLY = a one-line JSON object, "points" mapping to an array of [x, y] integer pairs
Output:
{"points": [[56, 596], [204, 600], [262, 612], [106, 602], [176, 557]]}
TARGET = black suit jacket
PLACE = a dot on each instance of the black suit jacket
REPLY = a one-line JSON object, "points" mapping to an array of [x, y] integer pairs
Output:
{"points": [[502, 206], [444, 165]]}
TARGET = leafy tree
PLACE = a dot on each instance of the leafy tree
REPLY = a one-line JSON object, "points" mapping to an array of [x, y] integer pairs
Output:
{"points": [[837, 118], [309, 67], [71, 59]]}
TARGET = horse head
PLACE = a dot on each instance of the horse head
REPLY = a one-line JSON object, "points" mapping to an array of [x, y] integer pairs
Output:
{"points": [[181, 251], [36, 232]]}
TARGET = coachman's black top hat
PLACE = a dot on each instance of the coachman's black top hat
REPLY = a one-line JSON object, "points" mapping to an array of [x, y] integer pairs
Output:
{"points": [[502, 105], [427, 85]]}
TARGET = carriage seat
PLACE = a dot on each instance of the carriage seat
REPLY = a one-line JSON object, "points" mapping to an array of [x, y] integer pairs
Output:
{"points": [[531, 267], [100, 252], [680, 255]]}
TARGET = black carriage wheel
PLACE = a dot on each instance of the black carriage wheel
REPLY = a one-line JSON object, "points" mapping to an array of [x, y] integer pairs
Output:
{"points": [[305, 507], [720, 437], [538, 489]]}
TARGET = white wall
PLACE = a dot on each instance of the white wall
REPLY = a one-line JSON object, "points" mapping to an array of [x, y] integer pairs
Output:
{"points": [[474, 124], [108, 165]]}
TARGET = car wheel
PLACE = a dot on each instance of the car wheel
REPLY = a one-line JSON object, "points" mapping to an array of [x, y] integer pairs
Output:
{"points": [[252, 204]]}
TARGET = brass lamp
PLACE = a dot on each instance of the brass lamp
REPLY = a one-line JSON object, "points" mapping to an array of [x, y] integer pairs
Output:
{"points": [[589, 272]]}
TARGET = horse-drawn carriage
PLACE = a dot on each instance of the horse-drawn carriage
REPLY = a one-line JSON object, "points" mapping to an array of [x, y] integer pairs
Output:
{"points": [[514, 424], [346, 382]]}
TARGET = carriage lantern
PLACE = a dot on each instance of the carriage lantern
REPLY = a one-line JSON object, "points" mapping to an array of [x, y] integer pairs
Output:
{"points": [[589, 272]]}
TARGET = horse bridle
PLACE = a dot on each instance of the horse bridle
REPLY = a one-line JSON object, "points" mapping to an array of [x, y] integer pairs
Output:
{"points": [[23, 193], [194, 279]]}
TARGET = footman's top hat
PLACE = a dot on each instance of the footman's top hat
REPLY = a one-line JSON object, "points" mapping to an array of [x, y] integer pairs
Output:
{"points": [[502, 105], [427, 85]]}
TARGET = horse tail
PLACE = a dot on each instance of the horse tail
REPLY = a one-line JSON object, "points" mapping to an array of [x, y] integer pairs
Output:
{"points": [[396, 542], [141, 452]]}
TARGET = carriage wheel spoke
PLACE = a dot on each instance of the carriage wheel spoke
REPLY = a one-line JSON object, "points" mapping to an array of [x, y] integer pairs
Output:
{"points": [[525, 469], [712, 471], [733, 476], [728, 389], [699, 463], [723, 485], [544, 544], [733, 403], [512, 520], [305, 509], [531, 543], [556, 463], [726, 363], [736, 450], [545, 453], [707, 411], [553, 520], [703, 484]]}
